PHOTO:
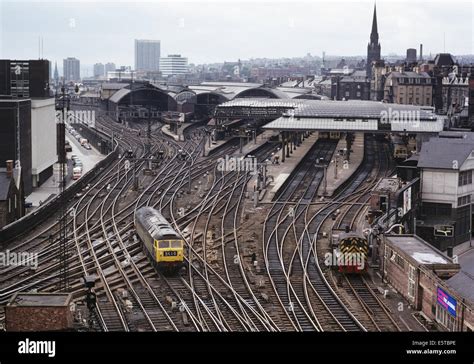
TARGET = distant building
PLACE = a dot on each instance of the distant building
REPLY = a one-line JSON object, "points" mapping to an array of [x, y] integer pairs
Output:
{"points": [[354, 86], [409, 88], [121, 75], [109, 67], [147, 55], [71, 69], [377, 82], [373, 48], [174, 64], [99, 70], [56, 74], [411, 55]]}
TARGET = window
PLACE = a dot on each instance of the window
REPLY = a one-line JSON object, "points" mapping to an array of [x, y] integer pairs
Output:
{"points": [[445, 319], [347, 94], [176, 243], [411, 281], [9, 205], [417, 100], [163, 244], [358, 93], [465, 178], [464, 200], [411, 288], [400, 261]]}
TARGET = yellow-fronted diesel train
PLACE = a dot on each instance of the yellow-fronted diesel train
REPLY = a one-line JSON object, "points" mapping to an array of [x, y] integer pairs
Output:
{"points": [[163, 245]]}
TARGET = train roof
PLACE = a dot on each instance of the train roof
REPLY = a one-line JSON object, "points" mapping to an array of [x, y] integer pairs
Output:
{"points": [[154, 222], [350, 234]]}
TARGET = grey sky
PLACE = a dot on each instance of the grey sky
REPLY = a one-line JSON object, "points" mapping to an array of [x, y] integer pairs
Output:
{"points": [[207, 32]]}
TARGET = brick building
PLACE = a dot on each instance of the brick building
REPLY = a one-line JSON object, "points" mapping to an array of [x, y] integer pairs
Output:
{"points": [[423, 275], [409, 88]]}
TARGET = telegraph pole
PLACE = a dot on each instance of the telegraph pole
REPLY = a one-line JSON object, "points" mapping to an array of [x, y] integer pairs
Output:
{"points": [[63, 103]]}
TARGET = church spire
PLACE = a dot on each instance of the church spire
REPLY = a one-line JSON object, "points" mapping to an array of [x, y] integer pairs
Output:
{"points": [[374, 21], [374, 34], [373, 48]]}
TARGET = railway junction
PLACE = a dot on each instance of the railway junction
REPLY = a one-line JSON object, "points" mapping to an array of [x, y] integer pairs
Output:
{"points": [[248, 249]]}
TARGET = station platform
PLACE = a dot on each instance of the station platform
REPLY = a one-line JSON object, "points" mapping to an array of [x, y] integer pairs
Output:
{"points": [[180, 137], [344, 170], [214, 144], [280, 172], [259, 141], [49, 189]]}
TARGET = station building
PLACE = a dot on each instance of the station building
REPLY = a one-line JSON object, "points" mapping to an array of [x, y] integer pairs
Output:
{"points": [[446, 165], [438, 286]]}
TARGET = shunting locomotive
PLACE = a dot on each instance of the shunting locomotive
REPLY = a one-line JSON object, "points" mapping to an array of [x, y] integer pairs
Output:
{"points": [[351, 250]]}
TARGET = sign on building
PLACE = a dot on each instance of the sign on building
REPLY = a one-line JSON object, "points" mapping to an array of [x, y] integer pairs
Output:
{"points": [[446, 231], [447, 302]]}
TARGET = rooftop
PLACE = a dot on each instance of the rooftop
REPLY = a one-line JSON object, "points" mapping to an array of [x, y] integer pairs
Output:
{"points": [[463, 282], [40, 299], [4, 185], [441, 152], [418, 249]]}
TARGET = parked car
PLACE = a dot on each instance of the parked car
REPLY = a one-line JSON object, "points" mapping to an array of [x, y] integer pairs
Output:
{"points": [[76, 173], [87, 146]]}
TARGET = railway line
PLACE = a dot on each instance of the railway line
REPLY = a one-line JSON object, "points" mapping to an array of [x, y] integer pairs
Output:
{"points": [[220, 289]]}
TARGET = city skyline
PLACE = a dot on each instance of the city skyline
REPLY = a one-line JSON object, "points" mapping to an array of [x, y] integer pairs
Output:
{"points": [[73, 28]]}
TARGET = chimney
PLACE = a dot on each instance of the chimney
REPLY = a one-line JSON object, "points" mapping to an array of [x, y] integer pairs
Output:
{"points": [[421, 52], [9, 168], [450, 251]]}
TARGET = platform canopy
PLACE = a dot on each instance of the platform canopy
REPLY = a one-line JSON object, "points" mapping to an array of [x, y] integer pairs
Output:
{"points": [[328, 115]]}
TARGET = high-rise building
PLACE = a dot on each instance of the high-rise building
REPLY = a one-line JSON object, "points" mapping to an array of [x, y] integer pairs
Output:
{"points": [[411, 55], [109, 67], [147, 55], [174, 64], [373, 48], [72, 69], [99, 70]]}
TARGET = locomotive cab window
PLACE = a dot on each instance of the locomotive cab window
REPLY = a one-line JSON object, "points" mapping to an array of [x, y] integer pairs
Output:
{"points": [[163, 244], [176, 244]]}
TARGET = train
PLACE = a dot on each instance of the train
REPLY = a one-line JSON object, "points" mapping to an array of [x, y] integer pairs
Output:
{"points": [[162, 244], [334, 135], [352, 251], [403, 146]]}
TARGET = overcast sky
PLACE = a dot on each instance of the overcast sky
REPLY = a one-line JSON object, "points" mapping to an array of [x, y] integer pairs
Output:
{"points": [[205, 32]]}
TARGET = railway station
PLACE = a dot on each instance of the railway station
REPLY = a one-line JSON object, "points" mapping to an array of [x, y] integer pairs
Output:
{"points": [[313, 194]]}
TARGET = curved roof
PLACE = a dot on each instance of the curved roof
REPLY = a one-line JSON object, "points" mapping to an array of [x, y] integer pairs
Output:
{"points": [[120, 94]]}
